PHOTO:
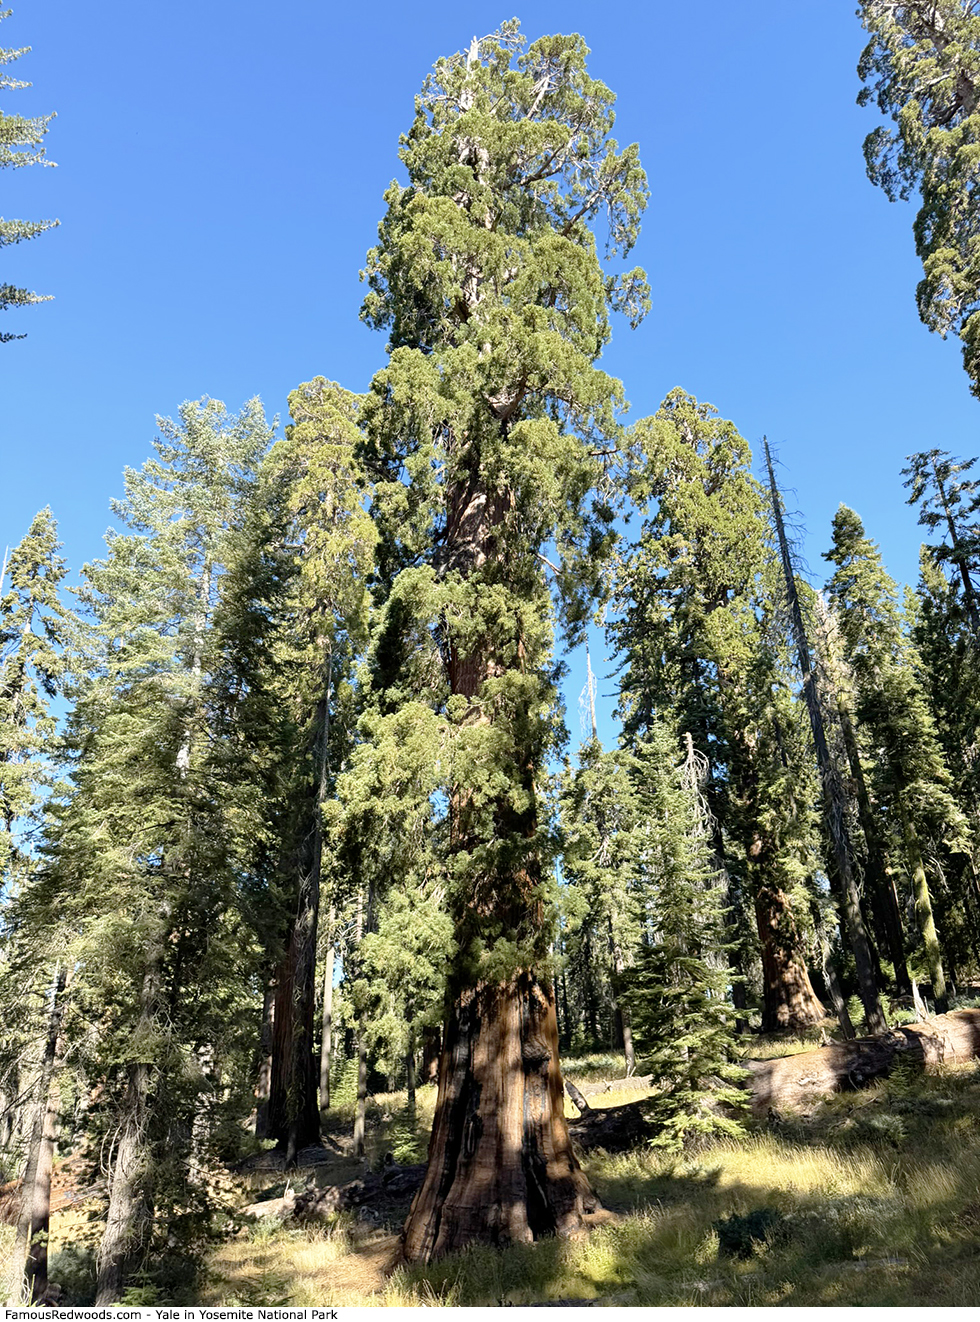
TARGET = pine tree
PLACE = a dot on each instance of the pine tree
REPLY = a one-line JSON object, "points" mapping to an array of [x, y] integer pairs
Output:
{"points": [[483, 436], [950, 501], [909, 778], [21, 143], [921, 67]]}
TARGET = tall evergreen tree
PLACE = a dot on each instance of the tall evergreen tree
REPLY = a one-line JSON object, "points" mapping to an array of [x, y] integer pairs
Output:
{"points": [[483, 432], [34, 629], [600, 824], [835, 807], [701, 647], [907, 772], [950, 502], [321, 629], [21, 143], [921, 67], [678, 991], [138, 865]]}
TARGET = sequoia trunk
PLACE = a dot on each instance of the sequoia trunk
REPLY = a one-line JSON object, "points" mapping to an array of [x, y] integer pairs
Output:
{"points": [[501, 1167], [789, 1000]]}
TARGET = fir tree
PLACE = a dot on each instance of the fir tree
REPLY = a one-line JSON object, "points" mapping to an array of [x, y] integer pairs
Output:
{"points": [[21, 143], [34, 632], [700, 646], [138, 866], [600, 822], [908, 775], [679, 989], [320, 631]]}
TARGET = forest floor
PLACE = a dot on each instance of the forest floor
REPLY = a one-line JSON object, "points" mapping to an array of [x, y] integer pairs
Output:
{"points": [[874, 1198]]}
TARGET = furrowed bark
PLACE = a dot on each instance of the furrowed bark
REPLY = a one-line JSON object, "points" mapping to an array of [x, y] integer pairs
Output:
{"points": [[789, 1001], [501, 1167]]}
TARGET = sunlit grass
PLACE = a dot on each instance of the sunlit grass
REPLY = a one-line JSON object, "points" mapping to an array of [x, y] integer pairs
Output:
{"points": [[875, 1199]]}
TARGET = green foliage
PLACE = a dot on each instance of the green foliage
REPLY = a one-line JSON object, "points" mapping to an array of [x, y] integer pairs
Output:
{"points": [[904, 764], [702, 645], [482, 435], [34, 634], [21, 143], [678, 990], [921, 67]]}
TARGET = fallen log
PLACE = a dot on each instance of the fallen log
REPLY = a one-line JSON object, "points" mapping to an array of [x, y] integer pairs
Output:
{"points": [[794, 1083]]}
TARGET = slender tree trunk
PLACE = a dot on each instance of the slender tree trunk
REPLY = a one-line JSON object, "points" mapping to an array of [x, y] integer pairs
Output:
{"points": [[32, 1229], [360, 1111], [431, 1051], [834, 798], [410, 1071], [326, 1027], [923, 913], [624, 1023], [364, 923], [130, 1211], [294, 1110], [264, 1081], [880, 885]]}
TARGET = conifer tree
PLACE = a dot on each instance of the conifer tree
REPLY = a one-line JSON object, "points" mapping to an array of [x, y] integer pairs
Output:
{"points": [[950, 502], [320, 631], [138, 866], [34, 629], [21, 143], [600, 821], [921, 67], [700, 646], [909, 778], [839, 842], [678, 991], [483, 435]]}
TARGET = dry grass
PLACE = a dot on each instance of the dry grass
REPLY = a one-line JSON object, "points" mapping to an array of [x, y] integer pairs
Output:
{"points": [[874, 1200]]}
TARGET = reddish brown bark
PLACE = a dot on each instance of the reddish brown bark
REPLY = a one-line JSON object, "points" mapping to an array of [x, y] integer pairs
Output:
{"points": [[501, 1167], [789, 1000]]}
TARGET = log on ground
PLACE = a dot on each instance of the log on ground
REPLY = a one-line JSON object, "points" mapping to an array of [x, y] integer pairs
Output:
{"points": [[794, 1083]]}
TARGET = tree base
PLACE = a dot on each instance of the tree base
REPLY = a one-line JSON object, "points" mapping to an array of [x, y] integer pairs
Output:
{"points": [[501, 1169]]}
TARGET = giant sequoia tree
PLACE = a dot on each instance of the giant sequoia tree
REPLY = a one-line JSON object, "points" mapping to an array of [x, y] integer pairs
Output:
{"points": [[483, 437], [921, 67]]}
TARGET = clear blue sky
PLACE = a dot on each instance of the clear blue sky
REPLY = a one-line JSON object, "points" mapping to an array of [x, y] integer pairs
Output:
{"points": [[220, 171]]}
